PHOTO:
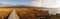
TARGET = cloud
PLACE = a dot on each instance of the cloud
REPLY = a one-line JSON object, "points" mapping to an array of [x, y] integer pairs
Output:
{"points": [[45, 3], [4, 4]]}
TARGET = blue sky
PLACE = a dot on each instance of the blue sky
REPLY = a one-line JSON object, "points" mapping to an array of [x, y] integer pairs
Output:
{"points": [[15, 1]]}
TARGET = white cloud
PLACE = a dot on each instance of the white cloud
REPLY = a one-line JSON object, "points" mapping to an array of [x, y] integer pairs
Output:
{"points": [[4, 4], [46, 3]]}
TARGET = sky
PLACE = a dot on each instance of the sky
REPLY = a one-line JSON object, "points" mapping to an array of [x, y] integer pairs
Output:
{"points": [[39, 3], [15, 1]]}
